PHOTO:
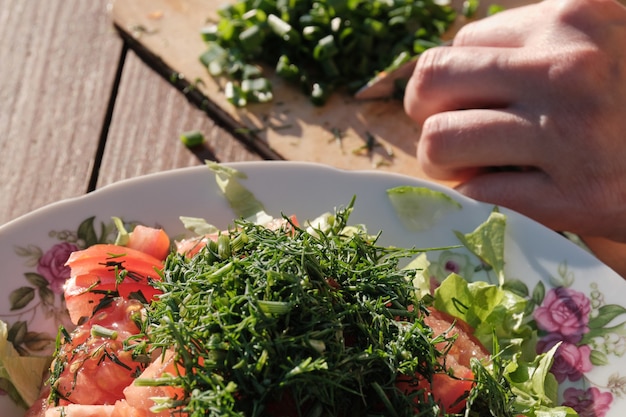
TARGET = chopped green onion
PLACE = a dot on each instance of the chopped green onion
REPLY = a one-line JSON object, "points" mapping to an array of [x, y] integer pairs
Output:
{"points": [[101, 331], [299, 38], [192, 138]]}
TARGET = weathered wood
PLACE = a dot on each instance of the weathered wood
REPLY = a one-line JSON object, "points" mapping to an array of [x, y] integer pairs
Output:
{"points": [[290, 126], [168, 33], [148, 118], [57, 66]]}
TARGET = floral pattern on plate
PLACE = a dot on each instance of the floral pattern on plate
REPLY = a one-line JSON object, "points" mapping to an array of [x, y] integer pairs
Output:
{"points": [[41, 296], [589, 330]]}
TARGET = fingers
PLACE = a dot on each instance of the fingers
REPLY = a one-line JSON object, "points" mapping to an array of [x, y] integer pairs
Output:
{"points": [[450, 78], [455, 144], [531, 193], [507, 29]]}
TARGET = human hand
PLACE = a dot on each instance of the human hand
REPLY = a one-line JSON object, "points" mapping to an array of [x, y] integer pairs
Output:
{"points": [[541, 88]]}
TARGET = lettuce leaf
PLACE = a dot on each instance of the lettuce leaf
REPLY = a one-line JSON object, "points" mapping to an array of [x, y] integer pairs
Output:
{"points": [[20, 376], [488, 308], [242, 201], [487, 242], [419, 207]]}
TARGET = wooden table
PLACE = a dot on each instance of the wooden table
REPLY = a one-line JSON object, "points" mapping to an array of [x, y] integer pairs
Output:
{"points": [[80, 110]]}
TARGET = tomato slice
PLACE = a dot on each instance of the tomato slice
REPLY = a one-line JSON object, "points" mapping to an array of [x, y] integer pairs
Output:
{"points": [[450, 392], [99, 270], [107, 261], [95, 366], [149, 240], [466, 346]]}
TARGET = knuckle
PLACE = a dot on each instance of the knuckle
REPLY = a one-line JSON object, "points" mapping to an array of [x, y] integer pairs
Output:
{"points": [[466, 34], [429, 67], [432, 145]]}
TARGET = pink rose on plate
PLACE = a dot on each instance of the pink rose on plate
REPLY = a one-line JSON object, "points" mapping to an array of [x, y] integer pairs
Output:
{"points": [[564, 311], [588, 403], [570, 361], [52, 265]]}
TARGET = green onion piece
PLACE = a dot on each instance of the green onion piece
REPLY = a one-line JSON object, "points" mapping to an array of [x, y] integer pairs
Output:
{"points": [[234, 94], [101, 331], [123, 236], [257, 90], [470, 7], [325, 48], [319, 94], [250, 71], [192, 138], [274, 307], [251, 39], [312, 33], [223, 246], [375, 27], [214, 58], [494, 8], [255, 16], [209, 33], [283, 29], [287, 70]]}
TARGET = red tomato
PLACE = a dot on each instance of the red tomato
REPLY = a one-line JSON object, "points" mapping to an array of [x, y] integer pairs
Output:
{"points": [[140, 398], [98, 269], [191, 246], [95, 367], [450, 392], [107, 261], [466, 346], [151, 241], [279, 223], [80, 300]]}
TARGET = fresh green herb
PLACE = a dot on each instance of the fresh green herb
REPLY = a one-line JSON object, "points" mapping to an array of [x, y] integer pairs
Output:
{"points": [[192, 139], [20, 376], [323, 321], [320, 45], [494, 8], [470, 7]]}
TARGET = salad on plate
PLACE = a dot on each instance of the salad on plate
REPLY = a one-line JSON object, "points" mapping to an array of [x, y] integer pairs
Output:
{"points": [[282, 316]]}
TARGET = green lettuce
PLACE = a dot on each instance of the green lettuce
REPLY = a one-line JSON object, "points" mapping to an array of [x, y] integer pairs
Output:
{"points": [[242, 201], [21, 377], [419, 208]]}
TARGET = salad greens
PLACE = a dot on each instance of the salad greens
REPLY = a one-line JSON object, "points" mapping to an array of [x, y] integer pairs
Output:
{"points": [[20, 376], [286, 316], [418, 207], [319, 45], [322, 319]]}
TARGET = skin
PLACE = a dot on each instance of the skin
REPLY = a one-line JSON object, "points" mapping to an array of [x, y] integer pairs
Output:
{"points": [[527, 110]]}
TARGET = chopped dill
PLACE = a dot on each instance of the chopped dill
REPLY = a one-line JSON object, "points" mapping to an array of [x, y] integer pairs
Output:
{"points": [[323, 323]]}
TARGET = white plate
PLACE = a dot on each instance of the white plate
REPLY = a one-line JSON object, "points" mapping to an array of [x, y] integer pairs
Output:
{"points": [[593, 363]]}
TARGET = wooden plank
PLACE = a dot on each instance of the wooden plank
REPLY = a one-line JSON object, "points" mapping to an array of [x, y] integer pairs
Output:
{"points": [[166, 32], [148, 118], [57, 59]]}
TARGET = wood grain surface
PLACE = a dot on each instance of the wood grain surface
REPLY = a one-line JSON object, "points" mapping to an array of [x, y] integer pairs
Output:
{"points": [[290, 126], [167, 34], [78, 111], [148, 118], [57, 64]]}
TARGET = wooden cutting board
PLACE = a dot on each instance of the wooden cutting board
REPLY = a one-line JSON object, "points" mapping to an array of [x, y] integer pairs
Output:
{"points": [[166, 33]]}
